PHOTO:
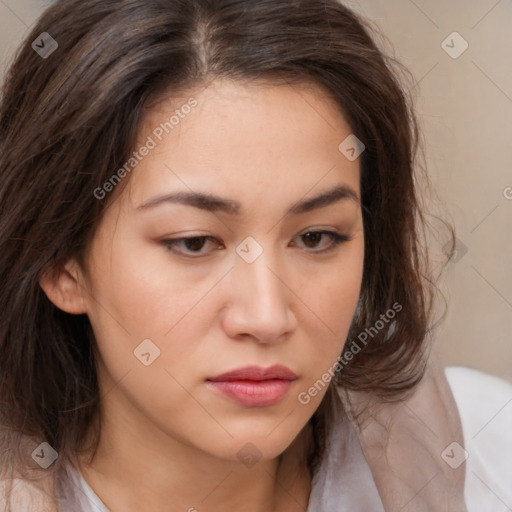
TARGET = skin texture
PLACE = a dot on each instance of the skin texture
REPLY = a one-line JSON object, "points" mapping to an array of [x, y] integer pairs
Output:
{"points": [[168, 441]]}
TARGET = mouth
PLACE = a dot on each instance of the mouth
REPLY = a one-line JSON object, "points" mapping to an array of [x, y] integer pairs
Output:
{"points": [[254, 386]]}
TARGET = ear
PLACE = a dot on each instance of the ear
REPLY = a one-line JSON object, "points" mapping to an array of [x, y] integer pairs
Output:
{"points": [[62, 284]]}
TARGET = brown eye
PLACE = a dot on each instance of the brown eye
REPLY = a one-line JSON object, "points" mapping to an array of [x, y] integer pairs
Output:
{"points": [[188, 246], [195, 244], [312, 239]]}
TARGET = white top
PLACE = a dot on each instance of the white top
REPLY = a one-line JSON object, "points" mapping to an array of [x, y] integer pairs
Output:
{"points": [[344, 483]]}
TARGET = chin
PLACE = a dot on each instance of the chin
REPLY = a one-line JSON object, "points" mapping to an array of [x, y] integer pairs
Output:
{"points": [[264, 443]]}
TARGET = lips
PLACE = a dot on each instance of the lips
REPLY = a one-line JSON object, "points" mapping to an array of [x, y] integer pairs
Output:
{"points": [[256, 373], [254, 386]]}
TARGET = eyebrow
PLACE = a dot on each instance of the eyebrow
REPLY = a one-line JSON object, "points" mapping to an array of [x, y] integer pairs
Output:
{"points": [[213, 203]]}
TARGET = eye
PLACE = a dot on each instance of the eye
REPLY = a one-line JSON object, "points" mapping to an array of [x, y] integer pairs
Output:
{"points": [[193, 245], [312, 239]]}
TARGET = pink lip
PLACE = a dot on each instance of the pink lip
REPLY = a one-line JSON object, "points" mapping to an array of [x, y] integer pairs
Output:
{"points": [[256, 373], [254, 386]]}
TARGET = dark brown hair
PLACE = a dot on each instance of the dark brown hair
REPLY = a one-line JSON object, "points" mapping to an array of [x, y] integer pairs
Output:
{"points": [[68, 121]]}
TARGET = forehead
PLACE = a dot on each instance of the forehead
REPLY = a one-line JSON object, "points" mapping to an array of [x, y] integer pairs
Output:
{"points": [[257, 143]]}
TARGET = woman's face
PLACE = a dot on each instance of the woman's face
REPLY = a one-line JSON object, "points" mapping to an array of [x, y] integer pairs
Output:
{"points": [[254, 285]]}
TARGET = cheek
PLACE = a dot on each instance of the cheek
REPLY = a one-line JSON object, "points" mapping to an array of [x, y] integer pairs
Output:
{"points": [[332, 291], [146, 292], [332, 296], [337, 295], [142, 297]]}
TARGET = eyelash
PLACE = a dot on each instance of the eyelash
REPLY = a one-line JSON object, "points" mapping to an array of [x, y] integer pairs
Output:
{"points": [[337, 239]]}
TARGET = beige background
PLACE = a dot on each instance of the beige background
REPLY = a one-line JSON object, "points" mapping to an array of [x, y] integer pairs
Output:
{"points": [[465, 106]]}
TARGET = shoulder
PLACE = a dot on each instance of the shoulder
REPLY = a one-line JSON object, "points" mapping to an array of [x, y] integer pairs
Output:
{"points": [[485, 407]]}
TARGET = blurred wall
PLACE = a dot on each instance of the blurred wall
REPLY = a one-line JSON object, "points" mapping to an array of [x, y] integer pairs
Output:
{"points": [[460, 53]]}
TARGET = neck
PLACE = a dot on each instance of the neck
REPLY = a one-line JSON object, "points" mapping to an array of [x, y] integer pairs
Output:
{"points": [[134, 470]]}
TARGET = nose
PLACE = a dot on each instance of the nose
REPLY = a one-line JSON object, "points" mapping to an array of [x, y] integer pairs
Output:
{"points": [[260, 299]]}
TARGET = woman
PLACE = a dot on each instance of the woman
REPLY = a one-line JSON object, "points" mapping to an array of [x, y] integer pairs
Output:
{"points": [[215, 292]]}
